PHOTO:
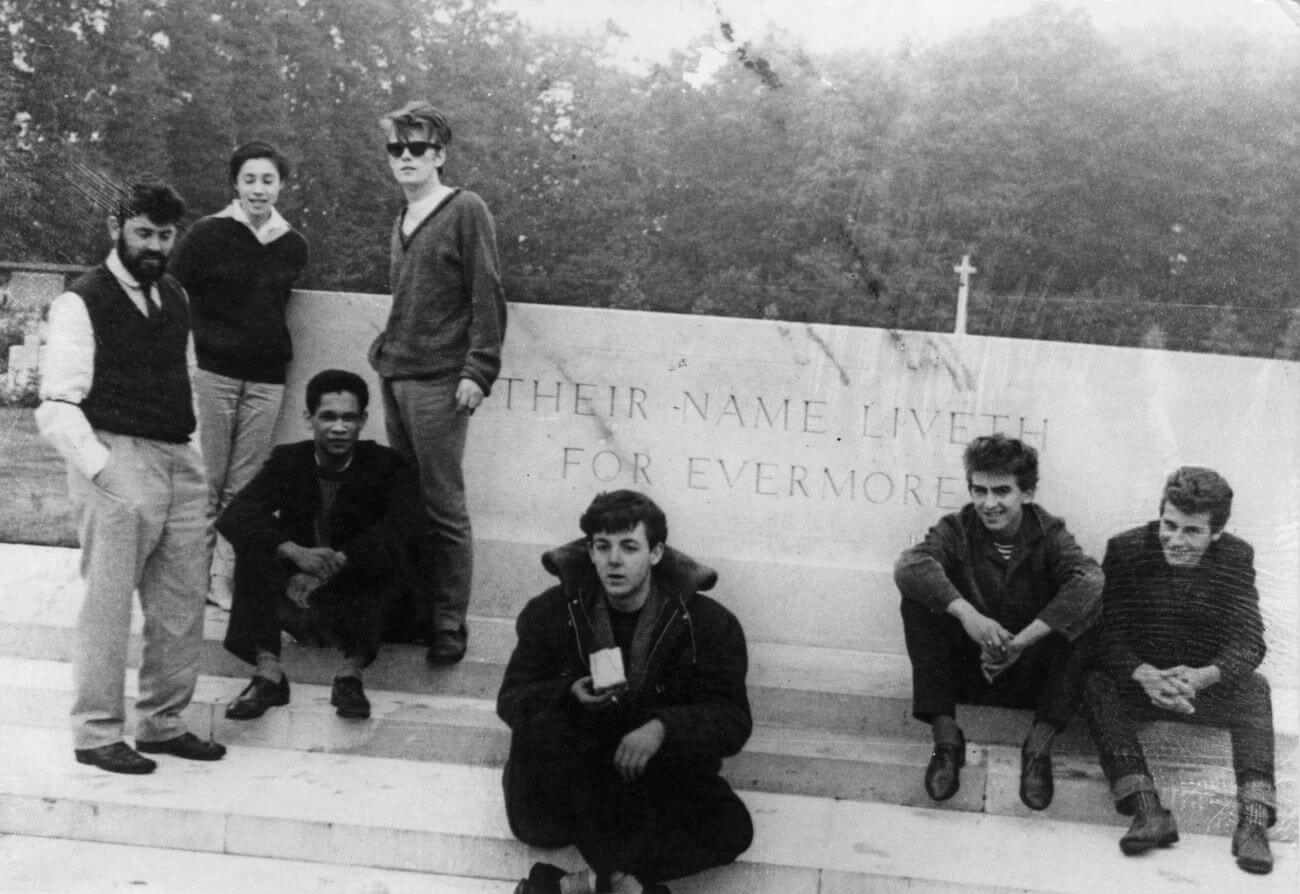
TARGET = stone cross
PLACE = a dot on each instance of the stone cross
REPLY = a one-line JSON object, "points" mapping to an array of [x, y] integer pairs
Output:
{"points": [[963, 293]]}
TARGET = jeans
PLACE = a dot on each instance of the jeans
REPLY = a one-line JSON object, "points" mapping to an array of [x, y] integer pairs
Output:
{"points": [[1115, 707]]}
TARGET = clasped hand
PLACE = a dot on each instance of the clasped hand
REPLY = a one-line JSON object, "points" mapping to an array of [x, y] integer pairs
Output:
{"points": [[998, 648], [1174, 688]]}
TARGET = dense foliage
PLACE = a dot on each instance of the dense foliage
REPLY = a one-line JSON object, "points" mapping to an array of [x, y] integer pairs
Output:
{"points": [[1109, 188]]}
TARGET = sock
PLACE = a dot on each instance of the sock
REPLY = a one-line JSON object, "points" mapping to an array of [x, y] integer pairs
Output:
{"points": [[622, 883], [1146, 802], [1253, 813], [268, 666], [351, 667], [583, 882], [1040, 738], [945, 730]]}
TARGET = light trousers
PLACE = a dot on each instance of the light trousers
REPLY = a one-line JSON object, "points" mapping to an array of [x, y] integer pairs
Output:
{"points": [[236, 426], [423, 425], [143, 524]]}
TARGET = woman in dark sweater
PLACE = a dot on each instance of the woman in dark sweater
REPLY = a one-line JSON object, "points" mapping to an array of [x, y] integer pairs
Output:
{"points": [[238, 266]]}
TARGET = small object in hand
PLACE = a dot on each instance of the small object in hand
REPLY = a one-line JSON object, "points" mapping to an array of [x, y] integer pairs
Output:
{"points": [[607, 670]]}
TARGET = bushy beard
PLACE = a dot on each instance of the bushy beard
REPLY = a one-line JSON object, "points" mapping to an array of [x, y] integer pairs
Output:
{"points": [[146, 266]]}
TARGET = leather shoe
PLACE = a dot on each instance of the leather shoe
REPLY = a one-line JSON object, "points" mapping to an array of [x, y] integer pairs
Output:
{"points": [[1153, 828], [1036, 785], [448, 646], [257, 696], [350, 699], [1250, 847], [943, 775], [186, 745], [543, 878], [116, 758]]}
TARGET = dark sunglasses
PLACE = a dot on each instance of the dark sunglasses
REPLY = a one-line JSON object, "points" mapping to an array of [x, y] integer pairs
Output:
{"points": [[416, 148]]}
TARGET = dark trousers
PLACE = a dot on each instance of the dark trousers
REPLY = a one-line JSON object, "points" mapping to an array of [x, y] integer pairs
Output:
{"points": [[351, 611], [1047, 678], [1115, 708], [667, 825]]}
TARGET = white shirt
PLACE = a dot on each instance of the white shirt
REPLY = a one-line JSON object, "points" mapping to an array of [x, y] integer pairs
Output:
{"points": [[273, 227], [418, 210], [68, 373]]}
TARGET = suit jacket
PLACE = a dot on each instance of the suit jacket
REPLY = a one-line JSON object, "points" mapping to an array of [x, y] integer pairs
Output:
{"points": [[377, 511], [1155, 614]]}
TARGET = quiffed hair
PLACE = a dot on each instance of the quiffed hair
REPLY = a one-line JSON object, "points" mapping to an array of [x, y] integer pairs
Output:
{"points": [[258, 149], [999, 455], [617, 511], [1195, 489], [418, 115], [334, 381], [156, 201]]}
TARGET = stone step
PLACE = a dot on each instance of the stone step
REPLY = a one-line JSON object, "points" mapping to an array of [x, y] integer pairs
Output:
{"points": [[455, 729], [67, 865], [800, 687], [446, 819]]}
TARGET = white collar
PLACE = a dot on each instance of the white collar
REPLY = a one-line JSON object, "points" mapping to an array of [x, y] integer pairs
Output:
{"points": [[120, 273], [275, 226]]}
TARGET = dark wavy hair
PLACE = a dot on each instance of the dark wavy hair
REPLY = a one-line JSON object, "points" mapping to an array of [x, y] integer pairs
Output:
{"points": [[617, 511], [1195, 489], [335, 381], [156, 201], [258, 149], [999, 455]]}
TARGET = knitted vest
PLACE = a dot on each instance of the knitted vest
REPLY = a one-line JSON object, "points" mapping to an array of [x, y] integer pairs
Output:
{"points": [[142, 383]]}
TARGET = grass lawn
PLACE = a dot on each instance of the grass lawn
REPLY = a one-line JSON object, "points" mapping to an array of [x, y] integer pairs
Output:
{"points": [[34, 505]]}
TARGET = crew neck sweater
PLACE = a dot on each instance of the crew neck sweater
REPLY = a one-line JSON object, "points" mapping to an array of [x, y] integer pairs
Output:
{"points": [[238, 291]]}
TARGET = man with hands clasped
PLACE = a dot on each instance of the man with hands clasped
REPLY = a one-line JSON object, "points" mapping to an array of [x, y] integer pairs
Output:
{"points": [[625, 691], [996, 604], [318, 535], [1181, 638]]}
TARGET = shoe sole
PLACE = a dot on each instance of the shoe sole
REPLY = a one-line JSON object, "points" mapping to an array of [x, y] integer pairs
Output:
{"points": [[1133, 848], [143, 748], [1248, 865], [351, 715], [142, 770]]}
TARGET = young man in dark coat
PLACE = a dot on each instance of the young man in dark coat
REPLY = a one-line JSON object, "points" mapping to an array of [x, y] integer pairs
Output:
{"points": [[317, 536], [624, 693], [996, 603], [1180, 640]]}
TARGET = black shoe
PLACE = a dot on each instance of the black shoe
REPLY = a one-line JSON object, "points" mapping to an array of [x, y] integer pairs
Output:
{"points": [[257, 696], [1036, 785], [448, 646], [943, 775], [1150, 829], [1250, 847], [186, 745], [543, 878], [116, 758], [348, 696]]}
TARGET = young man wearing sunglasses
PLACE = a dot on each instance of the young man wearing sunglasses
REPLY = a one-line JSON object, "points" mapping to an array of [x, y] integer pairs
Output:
{"points": [[439, 353]]}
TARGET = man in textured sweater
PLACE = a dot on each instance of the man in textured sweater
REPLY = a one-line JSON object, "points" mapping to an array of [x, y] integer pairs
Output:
{"points": [[439, 353], [996, 604], [1181, 637], [116, 403], [623, 695]]}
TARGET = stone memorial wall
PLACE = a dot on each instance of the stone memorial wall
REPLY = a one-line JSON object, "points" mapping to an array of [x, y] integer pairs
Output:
{"points": [[800, 459]]}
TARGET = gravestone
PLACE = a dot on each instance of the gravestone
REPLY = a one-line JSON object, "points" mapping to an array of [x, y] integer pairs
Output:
{"points": [[799, 460]]}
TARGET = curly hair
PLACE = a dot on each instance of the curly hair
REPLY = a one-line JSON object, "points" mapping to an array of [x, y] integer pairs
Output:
{"points": [[1195, 489], [1000, 455]]}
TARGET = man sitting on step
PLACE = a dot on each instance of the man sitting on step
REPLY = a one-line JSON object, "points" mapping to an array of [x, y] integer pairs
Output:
{"points": [[317, 536], [996, 603], [625, 691], [1180, 639]]}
